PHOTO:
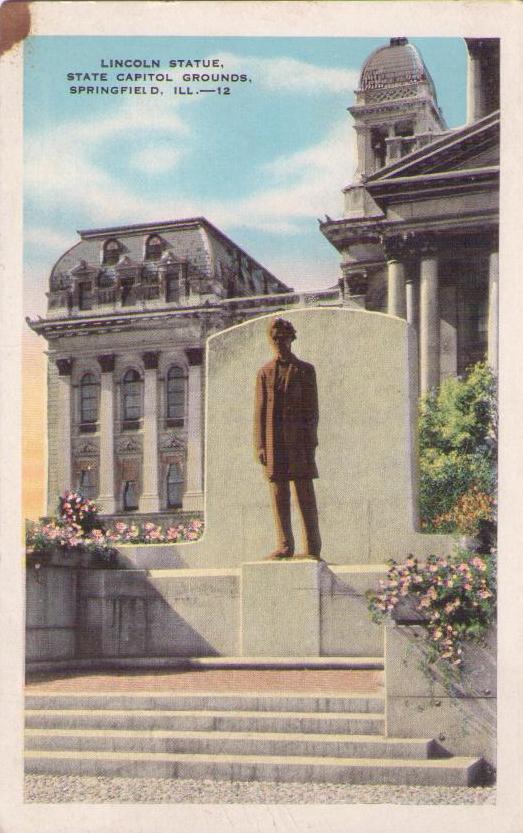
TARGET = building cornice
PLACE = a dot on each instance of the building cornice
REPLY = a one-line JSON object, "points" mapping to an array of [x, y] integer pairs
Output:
{"points": [[138, 319], [345, 232]]}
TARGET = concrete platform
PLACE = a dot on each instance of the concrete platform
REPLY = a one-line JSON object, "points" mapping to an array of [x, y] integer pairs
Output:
{"points": [[318, 678]]}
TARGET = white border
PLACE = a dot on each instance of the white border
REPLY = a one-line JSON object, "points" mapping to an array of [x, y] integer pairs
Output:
{"points": [[249, 17]]}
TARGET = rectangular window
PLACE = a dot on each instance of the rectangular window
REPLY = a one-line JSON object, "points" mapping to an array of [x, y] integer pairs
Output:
{"points": [[84, 296], [172, 289]]}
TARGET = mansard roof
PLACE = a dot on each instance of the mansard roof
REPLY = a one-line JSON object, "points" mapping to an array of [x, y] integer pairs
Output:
{"points": [[195, 239]]}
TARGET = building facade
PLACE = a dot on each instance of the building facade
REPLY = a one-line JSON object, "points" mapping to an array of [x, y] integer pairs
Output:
{"points": [[419, 235], [130, 308], [129, 311]]}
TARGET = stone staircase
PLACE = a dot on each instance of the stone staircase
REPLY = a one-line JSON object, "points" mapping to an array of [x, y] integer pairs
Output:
{"points": [[336, 738]]}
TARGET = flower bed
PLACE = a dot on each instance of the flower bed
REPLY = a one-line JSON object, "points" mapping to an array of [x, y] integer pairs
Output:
{"points": [[454, 597], [78, 530]]}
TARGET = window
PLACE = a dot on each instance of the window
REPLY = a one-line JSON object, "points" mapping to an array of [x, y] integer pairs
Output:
{"points": [[172, 288], [84, 296], [174, 485], [85, 483], [88, 399], [127, 292], [176, 396], [111, 253], [132, 397], [130, 495], [153, 247]]}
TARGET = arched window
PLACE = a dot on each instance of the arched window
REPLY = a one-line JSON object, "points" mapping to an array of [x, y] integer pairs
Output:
{"points": [[176, 395], [111, 254], [153, 247], [88, 399], [174, 485], [131, 396]]}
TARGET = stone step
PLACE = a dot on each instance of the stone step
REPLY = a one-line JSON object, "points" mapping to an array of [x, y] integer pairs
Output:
{"points": [[458, 771], [366, 723], [341, 663], [282, 702], [232, 743]]}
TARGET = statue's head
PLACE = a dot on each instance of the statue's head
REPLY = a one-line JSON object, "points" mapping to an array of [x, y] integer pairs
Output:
{"points": [[281, 335], [280, 328]]}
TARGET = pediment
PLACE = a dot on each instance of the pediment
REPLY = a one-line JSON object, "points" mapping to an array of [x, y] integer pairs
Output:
{"points": [[470, 147], [125, 262], [168, 258], [82, 267]]}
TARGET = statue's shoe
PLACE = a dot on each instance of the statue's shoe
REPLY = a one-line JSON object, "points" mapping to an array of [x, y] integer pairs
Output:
{"points": [[284, 552], [307, 555]]}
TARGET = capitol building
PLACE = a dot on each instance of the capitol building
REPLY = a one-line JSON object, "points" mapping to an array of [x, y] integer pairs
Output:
{"points": [[130, 307]]}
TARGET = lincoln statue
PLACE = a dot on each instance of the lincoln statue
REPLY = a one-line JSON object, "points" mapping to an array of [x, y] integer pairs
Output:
{"points": [[285, 432]]}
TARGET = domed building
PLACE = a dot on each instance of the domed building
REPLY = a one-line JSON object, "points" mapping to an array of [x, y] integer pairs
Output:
{"points": [[419, 235], [130, 307]]}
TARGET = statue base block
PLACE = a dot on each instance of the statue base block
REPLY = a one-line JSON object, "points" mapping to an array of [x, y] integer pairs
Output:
{"points": [[281, 608]]}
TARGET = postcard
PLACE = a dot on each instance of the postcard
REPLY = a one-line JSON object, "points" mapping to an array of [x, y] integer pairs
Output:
{"points": [[260, 347]]}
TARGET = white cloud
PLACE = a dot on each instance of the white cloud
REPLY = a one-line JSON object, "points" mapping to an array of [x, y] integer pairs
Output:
{"points": [[156, 159], [290, 75], [303, 185], [61, 167], [45, 237]]}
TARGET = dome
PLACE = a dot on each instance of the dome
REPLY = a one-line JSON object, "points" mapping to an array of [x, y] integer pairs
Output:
{"points": [[398, 63]]}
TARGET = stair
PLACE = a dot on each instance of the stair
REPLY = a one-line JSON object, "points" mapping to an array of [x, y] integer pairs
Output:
{"points": [[239, 737]]}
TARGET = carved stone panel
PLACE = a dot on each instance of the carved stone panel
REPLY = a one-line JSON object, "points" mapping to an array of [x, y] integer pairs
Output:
{"points": [[128, 445], [171, 441], [86, 448]]}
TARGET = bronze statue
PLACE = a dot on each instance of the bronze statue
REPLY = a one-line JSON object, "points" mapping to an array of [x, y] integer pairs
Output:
{"points": [[285, 431]]}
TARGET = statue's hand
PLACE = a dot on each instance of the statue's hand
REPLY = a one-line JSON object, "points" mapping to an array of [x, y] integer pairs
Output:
{"points": [[262, 457]]}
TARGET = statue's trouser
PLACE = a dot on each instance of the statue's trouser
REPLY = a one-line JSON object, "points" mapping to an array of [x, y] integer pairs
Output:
{"points": [[281, 507]]}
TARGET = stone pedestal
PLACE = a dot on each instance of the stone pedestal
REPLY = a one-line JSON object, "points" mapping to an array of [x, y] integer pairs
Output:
{"points": [[281, 608]]}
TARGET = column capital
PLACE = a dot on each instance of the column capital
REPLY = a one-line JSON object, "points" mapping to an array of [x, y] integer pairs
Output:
{"points": [[398, 246], [357, 281], [106, 362], [427, 244], [150, 360], [65, 366], [194, 355]]}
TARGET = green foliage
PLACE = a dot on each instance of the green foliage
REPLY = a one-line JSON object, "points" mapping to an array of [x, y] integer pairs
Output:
{"points": [[457, 442]]}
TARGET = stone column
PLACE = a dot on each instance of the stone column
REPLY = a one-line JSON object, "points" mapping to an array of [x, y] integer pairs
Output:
{"points": [[193, 497], [429, 324], [63, 457], [396, 288], [411, 302], [150, 499], [493, 311], [475, 86], [106, 500]]}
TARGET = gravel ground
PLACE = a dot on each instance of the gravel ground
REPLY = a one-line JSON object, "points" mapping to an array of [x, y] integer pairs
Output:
{"points": [[50, 789]]}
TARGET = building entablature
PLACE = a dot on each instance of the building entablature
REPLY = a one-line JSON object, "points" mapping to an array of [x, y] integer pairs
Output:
{"points": [[226, 312]]}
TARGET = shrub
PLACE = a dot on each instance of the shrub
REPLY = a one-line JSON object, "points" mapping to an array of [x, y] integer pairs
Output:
{"points": [[458, 452], [75, 509]]}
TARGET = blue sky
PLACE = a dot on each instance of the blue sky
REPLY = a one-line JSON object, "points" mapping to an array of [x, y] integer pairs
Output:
{"points": [[262, 163]]}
